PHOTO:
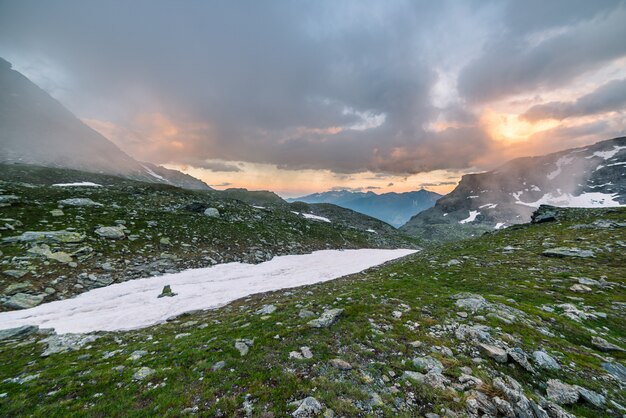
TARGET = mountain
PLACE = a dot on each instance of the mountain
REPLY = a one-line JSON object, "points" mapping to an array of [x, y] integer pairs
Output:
{"points": [[393, 208], [592, 176], [38, 130]]}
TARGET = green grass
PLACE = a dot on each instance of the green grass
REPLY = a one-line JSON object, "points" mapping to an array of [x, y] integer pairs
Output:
{"points": [[367, 336]]}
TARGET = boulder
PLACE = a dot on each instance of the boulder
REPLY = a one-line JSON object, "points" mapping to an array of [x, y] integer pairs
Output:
{"points": [[496, 353], [603, 345], [563, 252], [80, 202], [545, 361], [111, 232], [561, 393], [212, 213], [327, 318], [24, 300]]}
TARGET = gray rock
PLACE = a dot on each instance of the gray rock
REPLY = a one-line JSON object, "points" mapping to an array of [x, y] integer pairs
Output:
{"points": [[306, 314], [136, 355], [340, 364], [555, 411], [496, 353], [307, 407], [66, 342], [218, 366], [470, 301], [111, 232], [327, 318], [18, 274], [561, 393], [562, 252], [17, 287], [592, 397], [428, 364], [603, 345], [243, 346], [56, 212], [474, 333], [23, 331], [62, 236], [165, 242], [212, 213], [24, 300], [143, 373], [617, 370], [80, 202], [580, 288], [545, 361], [266, 310], [518, 356]]}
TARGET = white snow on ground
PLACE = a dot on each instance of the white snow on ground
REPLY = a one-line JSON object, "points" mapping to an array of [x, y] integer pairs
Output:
{"points": [[371, 231], [488, 206], [472, 216], [607, 154], [499, 225], [311, 216], [135, 303], [585, 200], [561, 162], [153, 174], [258, 207], [78, 184]]}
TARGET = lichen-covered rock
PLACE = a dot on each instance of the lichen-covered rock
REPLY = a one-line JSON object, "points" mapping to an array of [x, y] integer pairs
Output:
{"points": [[326, 319], [561, 393]]}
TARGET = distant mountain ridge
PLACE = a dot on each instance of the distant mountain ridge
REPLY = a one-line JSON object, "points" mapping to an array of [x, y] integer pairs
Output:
{"points": [[393, 208], [592, 176], [37, 129]]}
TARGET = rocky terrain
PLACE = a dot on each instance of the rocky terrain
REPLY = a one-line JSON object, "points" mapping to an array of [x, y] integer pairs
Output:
{"points": [[38, 130], [527, 321], [394, 208], [64, 232], [593, 176]]}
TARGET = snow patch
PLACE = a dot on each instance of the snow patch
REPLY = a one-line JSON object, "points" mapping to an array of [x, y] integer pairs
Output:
{"points": [[155, 175], [472, 216], [488, 206], [78, 184], [607, 154], [135, 303], [499, 225], [312, 216], [560, 163], [566, 200]]}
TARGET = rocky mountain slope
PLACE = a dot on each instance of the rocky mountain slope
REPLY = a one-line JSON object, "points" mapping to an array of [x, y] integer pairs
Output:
{"points": [[527, 321], [593, 176], [394, 208], [37, 129], [63, 232]]}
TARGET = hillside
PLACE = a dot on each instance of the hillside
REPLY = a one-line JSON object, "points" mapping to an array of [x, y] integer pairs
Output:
{"points": [[116, 229], [394, 208], [38, 130], [497, 326], [592, 176]]}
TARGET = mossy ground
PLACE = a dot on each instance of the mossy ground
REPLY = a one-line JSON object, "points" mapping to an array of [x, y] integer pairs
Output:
{"points": [[368, 336]]}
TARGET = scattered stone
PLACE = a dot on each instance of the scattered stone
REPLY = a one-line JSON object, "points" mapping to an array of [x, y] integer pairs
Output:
{"points": [[67, 237], [592, 397], [56, 212], [518, 356], [111, 232], [165, 242], [167, 292], [243, 345], [603, 345], [136, 355], [218, 366], [470, 301], [544, 214], [562, 252], [306, 314], [143, 373], [23, 331], [496, 353], [80, 202], [66, 342], [561, 393], [340, 364], [428, 364], [580, 288], [307, 407], [212, 213], [24, 300], [266, 310], [327, 318], [17, 287], [18, 274], [545, 361], [617, 370]]}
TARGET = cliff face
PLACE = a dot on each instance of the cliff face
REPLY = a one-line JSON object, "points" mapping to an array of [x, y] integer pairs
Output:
{"points": [[593, 176], [38, 130]]}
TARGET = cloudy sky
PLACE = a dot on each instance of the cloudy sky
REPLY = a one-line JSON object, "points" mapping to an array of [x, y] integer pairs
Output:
{"points": [[304, 96]]}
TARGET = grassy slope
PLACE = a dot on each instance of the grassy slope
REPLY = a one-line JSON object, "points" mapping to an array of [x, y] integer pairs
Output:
{"points": [[151, 212], [368, 336]]}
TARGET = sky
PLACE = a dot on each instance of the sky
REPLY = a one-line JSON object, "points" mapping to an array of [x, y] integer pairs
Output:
{"points": [[306, 96]]}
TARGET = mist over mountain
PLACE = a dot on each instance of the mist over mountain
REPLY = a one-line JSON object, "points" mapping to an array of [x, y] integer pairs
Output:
{"points": [[590, 177], [394, 208], [38, 130]]}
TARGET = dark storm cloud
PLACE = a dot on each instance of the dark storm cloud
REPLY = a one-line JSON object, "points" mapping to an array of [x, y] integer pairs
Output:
{"points": [[544, 45], [345, 86], [609, 97]]}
